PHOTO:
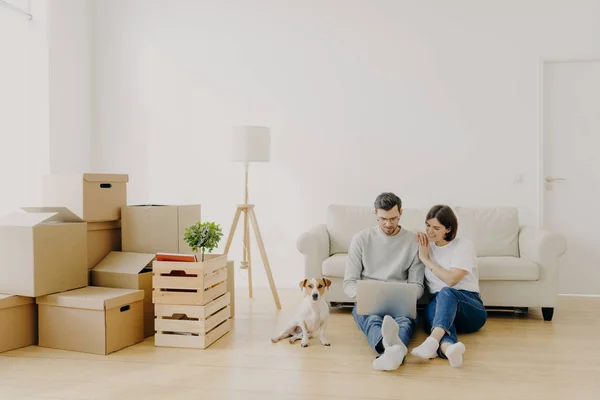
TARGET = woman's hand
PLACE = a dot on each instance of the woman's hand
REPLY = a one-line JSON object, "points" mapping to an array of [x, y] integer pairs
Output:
{"points": [[423, 246]]}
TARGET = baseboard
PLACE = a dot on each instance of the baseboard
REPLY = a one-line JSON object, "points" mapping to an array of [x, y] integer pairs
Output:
{"points": [[590, 296]]}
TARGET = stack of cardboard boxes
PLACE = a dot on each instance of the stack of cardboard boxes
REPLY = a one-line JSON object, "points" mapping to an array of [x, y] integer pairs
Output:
{"points": [[76, 273]]}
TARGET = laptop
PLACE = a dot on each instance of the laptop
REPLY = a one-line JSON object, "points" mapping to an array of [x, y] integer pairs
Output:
{"points": [[396, 299]]}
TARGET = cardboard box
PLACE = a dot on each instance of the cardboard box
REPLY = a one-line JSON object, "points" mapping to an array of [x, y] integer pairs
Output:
{"points": [[42, 251], [18, 322], [189, 283], [91, 320], [128, 271], [157, 229], [192, 326], [102, 238], [92, 197]]}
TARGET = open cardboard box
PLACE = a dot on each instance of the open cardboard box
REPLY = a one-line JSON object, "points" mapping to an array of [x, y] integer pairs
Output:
{"points": [[44, 251], [157, 228], [92, 197], [94, 320], [128, 271]]}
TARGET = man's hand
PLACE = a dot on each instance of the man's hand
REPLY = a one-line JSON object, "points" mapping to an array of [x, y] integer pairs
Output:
{"points": [[423, 247]]}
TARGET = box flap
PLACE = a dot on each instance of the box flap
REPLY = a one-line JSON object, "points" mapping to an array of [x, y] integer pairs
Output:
{"points": [[105, 177], [57, 214], [9, 300], [103, 225], [92, 298], [24, 219], [150, 205], [124, 262]]}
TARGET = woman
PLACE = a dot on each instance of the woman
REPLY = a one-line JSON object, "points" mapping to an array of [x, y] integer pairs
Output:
{"points": [[453, 281]]}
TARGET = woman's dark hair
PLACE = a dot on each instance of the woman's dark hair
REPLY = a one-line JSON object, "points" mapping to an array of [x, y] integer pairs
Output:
{"points": [[446, 217]]}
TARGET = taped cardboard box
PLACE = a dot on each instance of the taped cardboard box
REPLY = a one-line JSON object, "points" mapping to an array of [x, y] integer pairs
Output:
{"points": [[128, 271], [18, 322], [93, 319], [103, 237], [157, 228], [92, 197], [44, 251]]}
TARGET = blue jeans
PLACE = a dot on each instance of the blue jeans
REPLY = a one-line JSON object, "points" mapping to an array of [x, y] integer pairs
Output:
{"points": [[370, 325], [455, 311]]}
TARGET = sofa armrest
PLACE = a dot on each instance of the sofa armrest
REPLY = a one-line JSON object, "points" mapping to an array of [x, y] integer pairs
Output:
{"points": [[314, 246], [541, 246]]}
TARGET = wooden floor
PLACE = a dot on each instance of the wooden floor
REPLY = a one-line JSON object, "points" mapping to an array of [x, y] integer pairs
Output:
{"points": [[512, 357]]}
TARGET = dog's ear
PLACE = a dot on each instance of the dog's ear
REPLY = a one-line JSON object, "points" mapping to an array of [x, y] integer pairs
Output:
{"points": [[327, 282], [303, 283]]}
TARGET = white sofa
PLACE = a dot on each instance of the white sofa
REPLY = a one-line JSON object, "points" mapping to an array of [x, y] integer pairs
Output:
{"points": [[518, 265]]}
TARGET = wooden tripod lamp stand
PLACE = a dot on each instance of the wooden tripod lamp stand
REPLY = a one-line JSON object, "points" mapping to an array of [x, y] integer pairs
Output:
{"points": [[251, 144]]}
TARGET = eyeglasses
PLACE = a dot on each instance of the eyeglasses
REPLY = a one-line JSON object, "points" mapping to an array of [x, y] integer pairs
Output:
{"points": [[384, 220]]}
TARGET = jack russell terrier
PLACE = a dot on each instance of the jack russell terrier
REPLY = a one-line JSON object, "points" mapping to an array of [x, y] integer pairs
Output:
{"points": [[312, 315]]}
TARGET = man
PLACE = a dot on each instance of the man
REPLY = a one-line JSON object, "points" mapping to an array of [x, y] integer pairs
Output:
{"points": [[385, 252]]}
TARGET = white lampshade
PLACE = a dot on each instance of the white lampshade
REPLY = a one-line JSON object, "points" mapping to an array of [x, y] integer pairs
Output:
{"points": [[251, 143]]}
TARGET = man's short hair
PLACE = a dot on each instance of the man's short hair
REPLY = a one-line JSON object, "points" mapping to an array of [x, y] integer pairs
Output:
{"points": [[387, 200]]}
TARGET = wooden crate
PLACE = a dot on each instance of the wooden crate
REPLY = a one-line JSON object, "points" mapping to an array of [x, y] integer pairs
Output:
{"points": [[189, 283], [192, 326]]}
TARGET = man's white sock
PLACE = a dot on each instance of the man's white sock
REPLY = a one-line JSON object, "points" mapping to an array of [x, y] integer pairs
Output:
{"points": [[454, 352], [389, 331], [427, 349], [391, 359]]}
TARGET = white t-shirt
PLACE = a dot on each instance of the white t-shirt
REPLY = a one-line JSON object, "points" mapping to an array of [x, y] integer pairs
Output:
{"points": [[459, 253]]}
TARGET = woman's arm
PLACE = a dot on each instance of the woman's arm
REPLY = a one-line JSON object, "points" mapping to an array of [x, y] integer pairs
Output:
{"points": [[450, 277]]}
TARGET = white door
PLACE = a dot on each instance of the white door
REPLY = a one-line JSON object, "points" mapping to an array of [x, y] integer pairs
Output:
{"points": [[571, 151]]}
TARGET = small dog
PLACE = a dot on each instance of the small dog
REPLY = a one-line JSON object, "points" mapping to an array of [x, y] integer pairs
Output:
{"points": [[312, 315]]}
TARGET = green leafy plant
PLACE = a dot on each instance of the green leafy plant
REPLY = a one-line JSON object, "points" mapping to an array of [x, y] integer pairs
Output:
{"points": [[203, 236]]}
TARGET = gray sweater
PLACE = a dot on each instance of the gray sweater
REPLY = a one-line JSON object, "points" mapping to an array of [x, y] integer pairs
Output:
{"points": [[375, 255]]}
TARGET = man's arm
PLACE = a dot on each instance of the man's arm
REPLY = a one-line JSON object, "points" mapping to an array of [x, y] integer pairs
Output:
{"points": [[416, 274], [354, 266]]}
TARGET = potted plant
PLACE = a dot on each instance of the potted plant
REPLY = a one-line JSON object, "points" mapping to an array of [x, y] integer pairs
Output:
{"points": [[203, 236]]}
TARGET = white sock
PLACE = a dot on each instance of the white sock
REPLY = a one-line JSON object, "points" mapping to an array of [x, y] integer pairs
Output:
{"points": [[389, 331], [427, 349], [391, 359], [454, 352]]}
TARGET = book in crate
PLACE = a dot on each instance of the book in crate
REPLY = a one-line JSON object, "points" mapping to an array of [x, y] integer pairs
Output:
{"points": [[189, 282]]}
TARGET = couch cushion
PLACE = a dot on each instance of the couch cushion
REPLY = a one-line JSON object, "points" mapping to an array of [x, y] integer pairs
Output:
{"points": [[507, 269], [335, 266], [490, 268], [343, 221], [494, 231]]}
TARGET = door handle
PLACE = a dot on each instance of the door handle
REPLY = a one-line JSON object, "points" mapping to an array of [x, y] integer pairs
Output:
{"points": [[551, 179]]}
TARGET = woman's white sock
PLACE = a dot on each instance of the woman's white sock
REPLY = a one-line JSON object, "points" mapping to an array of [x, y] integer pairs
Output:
{"points": [[427, 349], [454, 352]]}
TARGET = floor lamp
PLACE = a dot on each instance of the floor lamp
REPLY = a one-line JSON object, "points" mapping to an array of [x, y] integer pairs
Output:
{"points": [[251, 144]]}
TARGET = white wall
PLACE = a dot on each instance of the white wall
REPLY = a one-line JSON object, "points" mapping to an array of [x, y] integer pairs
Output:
{"points": [[45, 100], [436, 101], [69, 42], [24, 139]]}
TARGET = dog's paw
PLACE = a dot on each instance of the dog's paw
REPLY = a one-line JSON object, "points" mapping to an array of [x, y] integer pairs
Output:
{"points": [[274, 340], [304, 344], [326, 344]]}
